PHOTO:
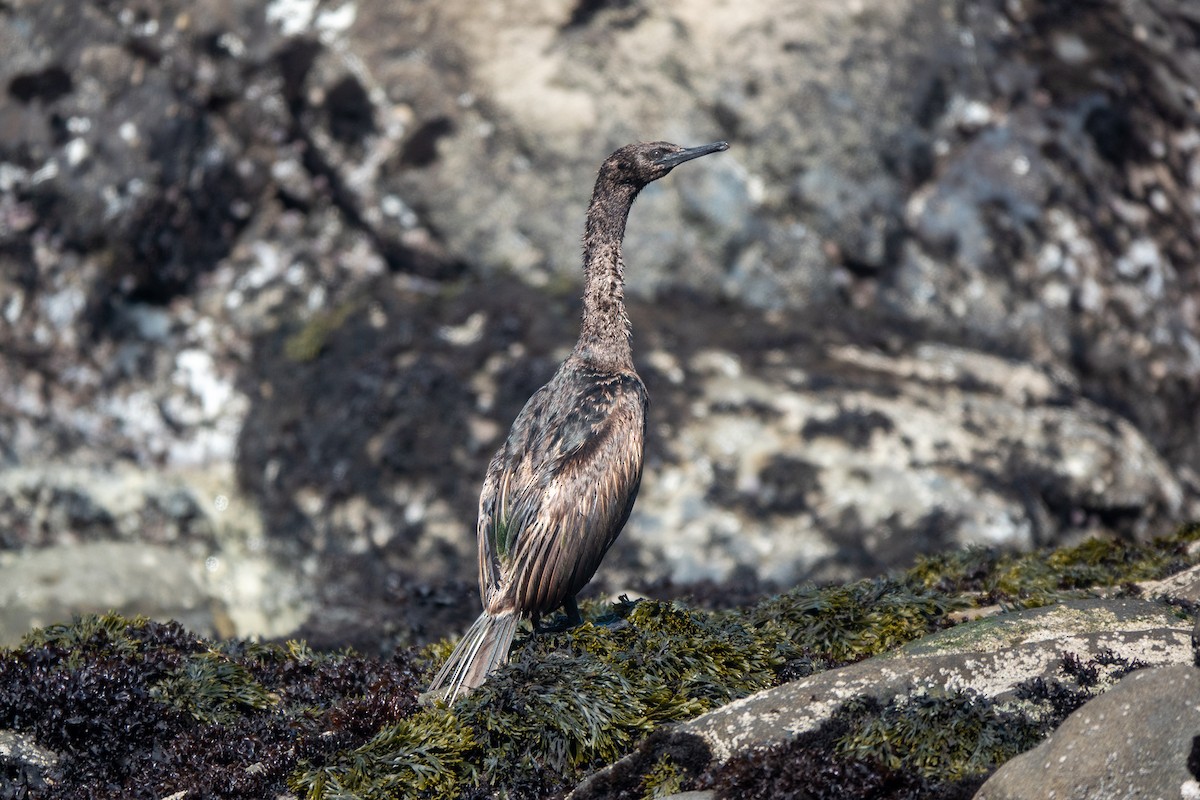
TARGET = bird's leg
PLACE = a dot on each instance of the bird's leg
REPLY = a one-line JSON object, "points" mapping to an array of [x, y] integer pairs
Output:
{"points": [[573, 619]]}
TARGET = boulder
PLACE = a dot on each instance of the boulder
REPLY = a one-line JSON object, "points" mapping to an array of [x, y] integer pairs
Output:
{"points": [[1137, 740], [1028, 665], [938, 292]]}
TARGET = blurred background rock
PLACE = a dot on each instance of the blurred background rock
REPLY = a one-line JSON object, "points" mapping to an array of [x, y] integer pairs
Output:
{"points": [[276, 277]]}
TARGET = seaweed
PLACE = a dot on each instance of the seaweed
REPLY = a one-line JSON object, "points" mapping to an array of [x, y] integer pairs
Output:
{"points": [[814, 765], [1044, 576], [1052, 699], [943, 735], [135, 708], [848, 623], [213, 688], [573, 701], [426, 754]]}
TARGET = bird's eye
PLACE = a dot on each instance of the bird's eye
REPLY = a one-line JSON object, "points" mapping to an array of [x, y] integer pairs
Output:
{"points": [[657, 153]]}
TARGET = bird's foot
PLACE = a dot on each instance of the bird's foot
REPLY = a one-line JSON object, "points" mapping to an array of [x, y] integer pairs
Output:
{"points": [[559, 624]]}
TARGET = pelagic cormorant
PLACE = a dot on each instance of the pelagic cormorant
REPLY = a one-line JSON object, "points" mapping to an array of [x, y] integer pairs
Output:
{"points": [[561, 488]]}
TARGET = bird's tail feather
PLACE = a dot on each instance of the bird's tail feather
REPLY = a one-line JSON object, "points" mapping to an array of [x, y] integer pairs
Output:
{"points": [[484, 647]]}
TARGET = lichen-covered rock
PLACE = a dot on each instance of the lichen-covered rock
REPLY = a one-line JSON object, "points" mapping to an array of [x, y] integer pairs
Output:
{"points": [[782, 470], [24, 762], [91, 540], [53, 583], [1139, 739], [939, 291], [936, 716], [992, 658]]}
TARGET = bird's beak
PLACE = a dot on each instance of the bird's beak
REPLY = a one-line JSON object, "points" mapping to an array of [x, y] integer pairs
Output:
{"points": [[675, 159]]}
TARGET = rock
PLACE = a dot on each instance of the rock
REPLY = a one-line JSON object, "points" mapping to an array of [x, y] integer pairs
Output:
{"points": [[24, 761], [990, 657], [924, 300], [787, 466], [51, 584], [134, 542], [1137, 740], [1001, 658], [1183, 586]]}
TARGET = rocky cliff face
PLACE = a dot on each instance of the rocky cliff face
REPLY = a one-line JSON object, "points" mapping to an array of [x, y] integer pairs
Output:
{"points": [[274, 280]]}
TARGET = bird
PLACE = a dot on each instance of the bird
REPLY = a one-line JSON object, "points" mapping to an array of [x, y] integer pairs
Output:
{"points": [[561, 487]]}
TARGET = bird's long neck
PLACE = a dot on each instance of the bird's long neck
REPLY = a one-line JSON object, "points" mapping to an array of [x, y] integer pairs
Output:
{"points": [[605, 337]]}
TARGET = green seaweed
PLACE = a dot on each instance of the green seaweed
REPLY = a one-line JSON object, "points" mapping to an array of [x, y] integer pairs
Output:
{"points": [[89, 635], [857, 620], [939, 734], [426, 755], [663, 779], [213, 688], [86, 630], [573, 701], [1045, 576]]}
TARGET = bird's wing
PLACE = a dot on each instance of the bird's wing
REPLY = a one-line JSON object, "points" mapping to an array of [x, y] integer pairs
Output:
{"points": [[489, 553], [510, 479], [560, 491]]}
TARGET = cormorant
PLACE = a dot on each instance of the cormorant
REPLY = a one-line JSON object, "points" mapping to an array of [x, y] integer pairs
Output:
{"points": [[561, 488]]}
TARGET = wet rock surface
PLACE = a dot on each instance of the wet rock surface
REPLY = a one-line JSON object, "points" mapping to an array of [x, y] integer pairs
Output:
{"points": [[274, 280]]}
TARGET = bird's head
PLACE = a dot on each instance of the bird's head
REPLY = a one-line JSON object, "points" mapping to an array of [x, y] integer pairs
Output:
{"points": [[645, 162]]}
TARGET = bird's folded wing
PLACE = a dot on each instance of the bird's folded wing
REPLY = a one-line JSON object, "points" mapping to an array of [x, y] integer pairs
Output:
{"points": [[547, 518]]}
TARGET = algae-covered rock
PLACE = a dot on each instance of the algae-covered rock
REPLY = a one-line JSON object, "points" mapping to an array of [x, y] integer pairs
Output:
{"points": [[995, 658], [934, 717], [917, 685], [117, 707]]}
